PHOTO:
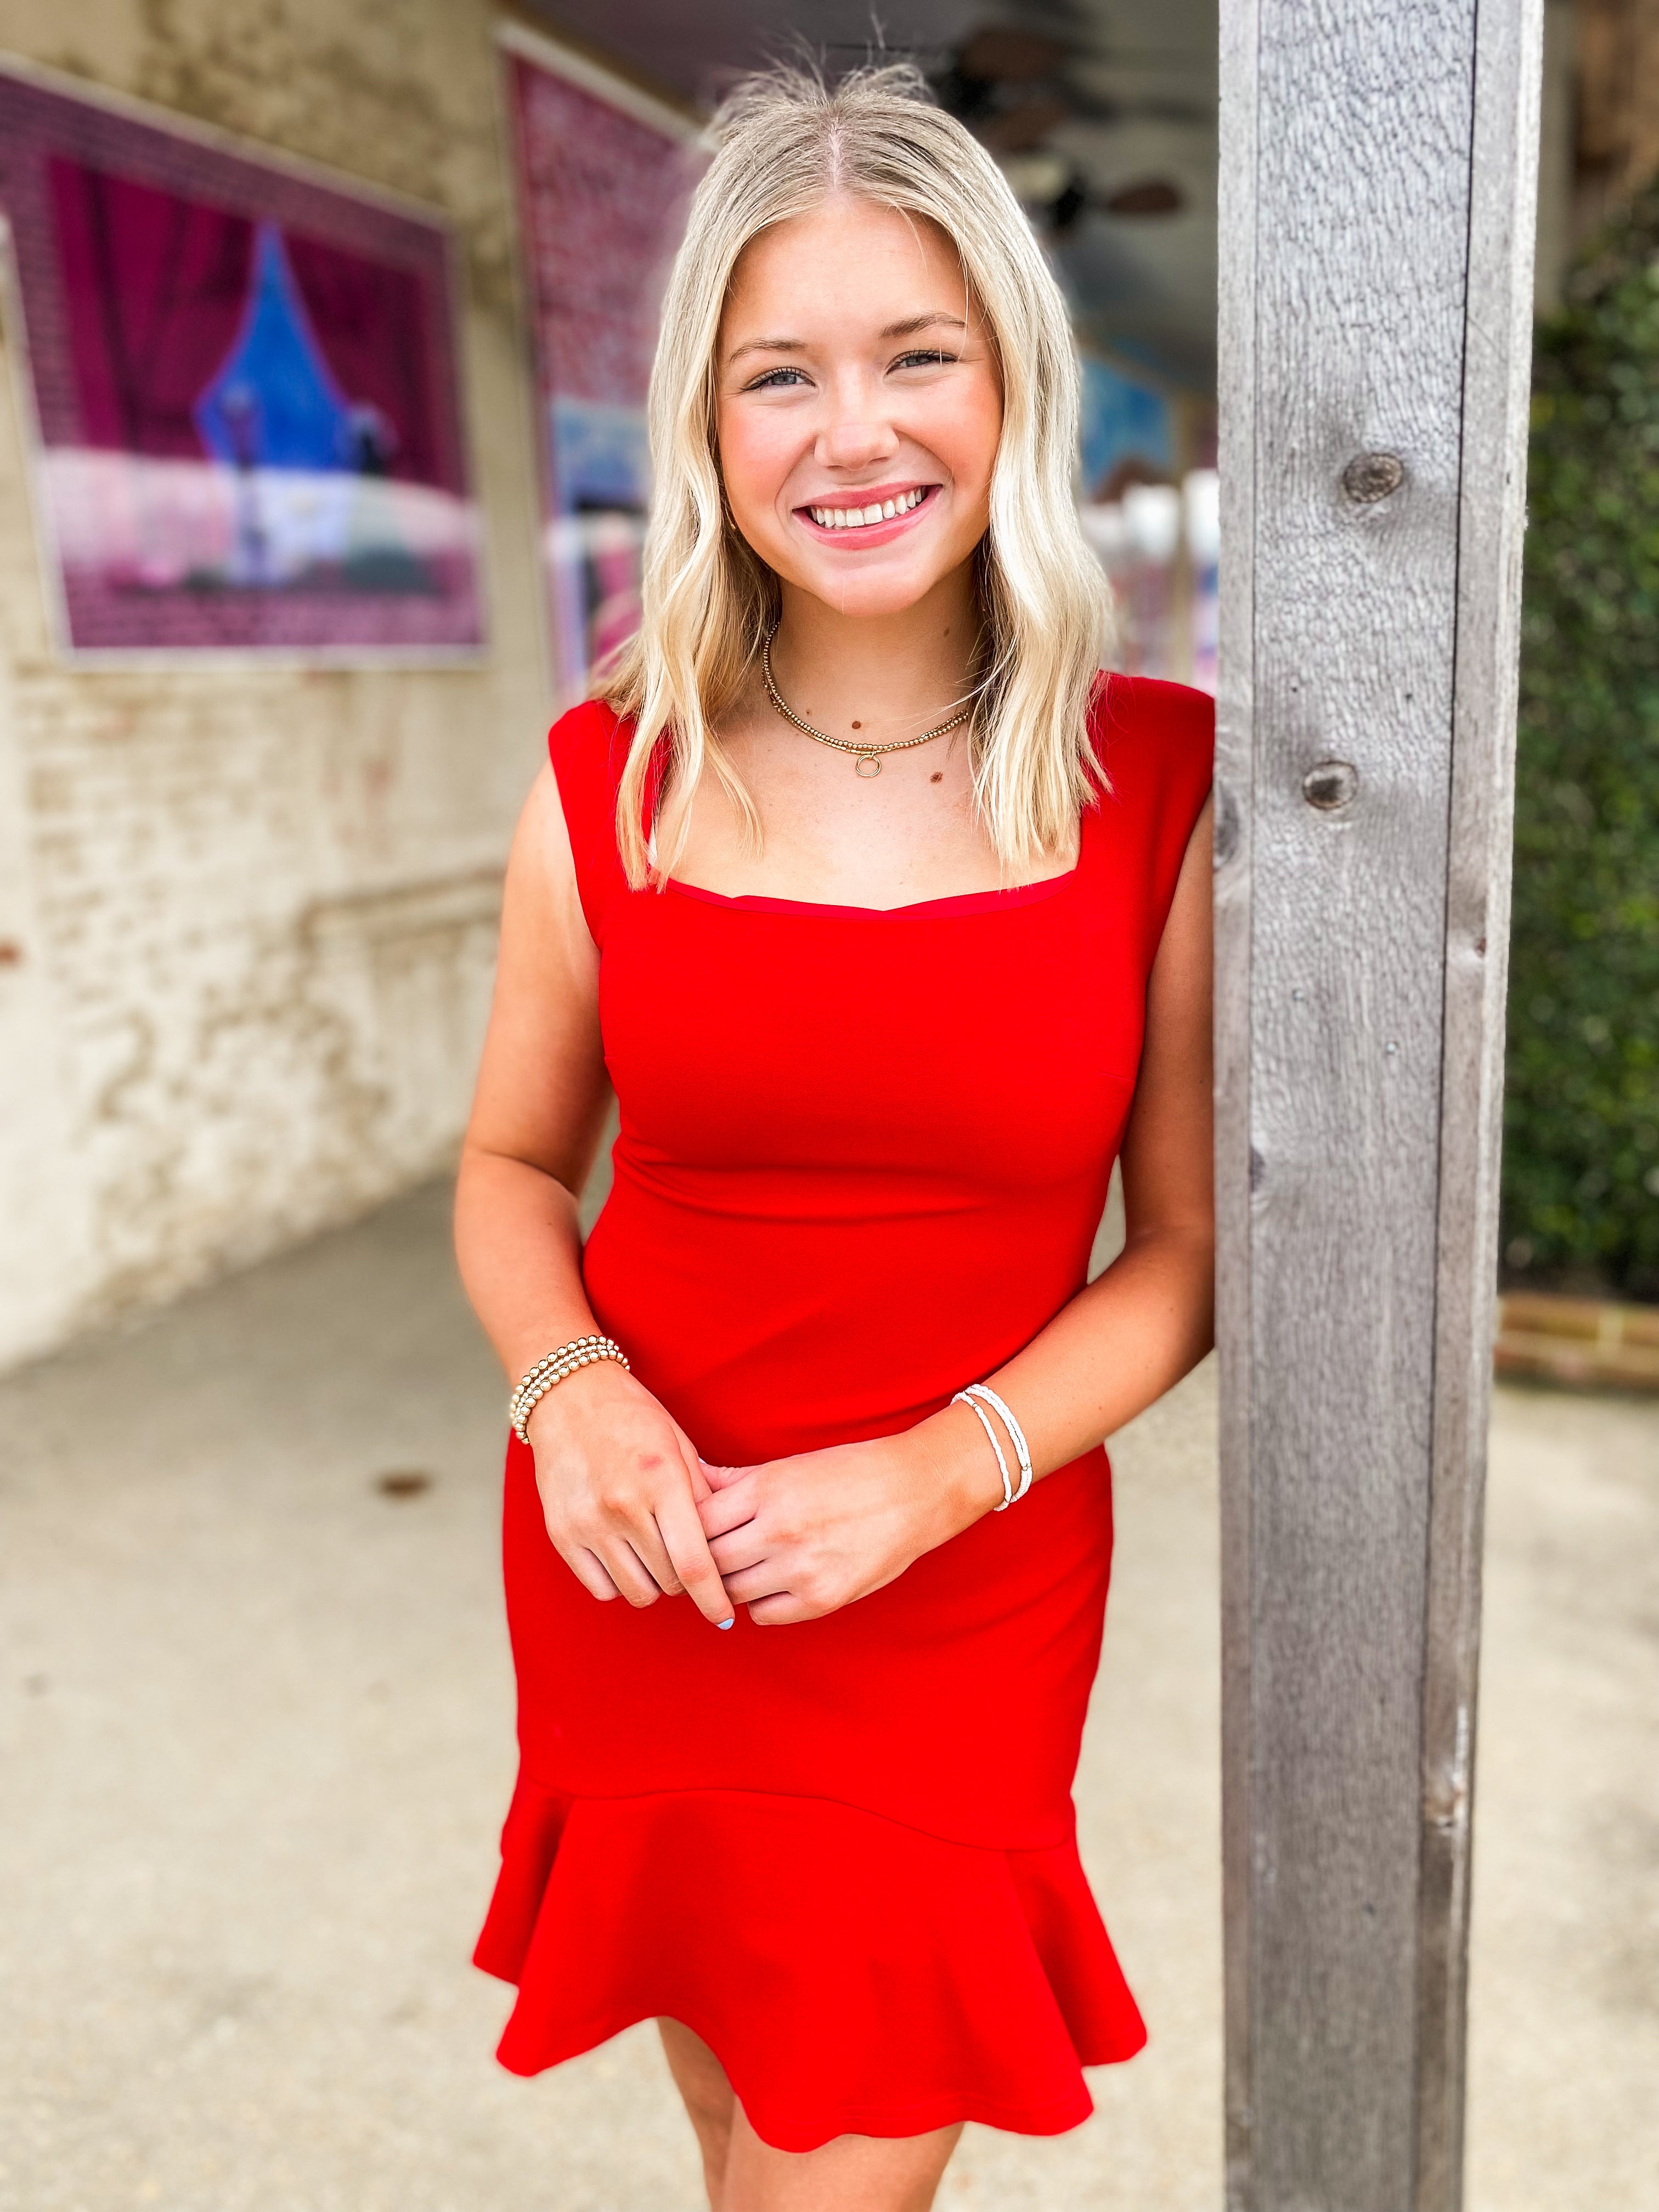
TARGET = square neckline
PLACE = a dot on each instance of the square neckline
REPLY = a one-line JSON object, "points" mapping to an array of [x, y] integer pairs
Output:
{"points": [[992, 901], [954, 902]]}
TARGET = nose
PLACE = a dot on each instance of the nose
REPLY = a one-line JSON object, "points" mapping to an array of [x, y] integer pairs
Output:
{"points": [[854, 439]]}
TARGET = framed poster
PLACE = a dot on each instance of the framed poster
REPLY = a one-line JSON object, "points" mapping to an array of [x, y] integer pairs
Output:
{"points": [[243, 382], [603, 173]]}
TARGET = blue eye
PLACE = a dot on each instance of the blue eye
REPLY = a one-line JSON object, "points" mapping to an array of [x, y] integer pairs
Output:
{"points": [[777, 380], [929, 358]]}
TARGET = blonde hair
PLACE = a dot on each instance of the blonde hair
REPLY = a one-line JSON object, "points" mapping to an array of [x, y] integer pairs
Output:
{"points": [[786, 142]]}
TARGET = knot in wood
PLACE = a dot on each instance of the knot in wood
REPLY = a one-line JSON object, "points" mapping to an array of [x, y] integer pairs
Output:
{"points": [[1330, 784], [1371, 477]]}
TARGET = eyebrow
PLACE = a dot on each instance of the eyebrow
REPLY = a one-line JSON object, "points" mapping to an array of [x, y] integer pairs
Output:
{"points": [[766, 345], [927, 322], [907, 329]]}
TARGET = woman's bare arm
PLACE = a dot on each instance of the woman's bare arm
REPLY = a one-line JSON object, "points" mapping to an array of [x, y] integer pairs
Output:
{"points": [[540, 1106], [1134, 1332], [619, 1480], [799, 1537]]}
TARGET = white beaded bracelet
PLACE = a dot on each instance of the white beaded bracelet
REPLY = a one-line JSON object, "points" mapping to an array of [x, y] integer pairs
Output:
{"points": [[552, 1369], [971, 1396], [576, 1349]]}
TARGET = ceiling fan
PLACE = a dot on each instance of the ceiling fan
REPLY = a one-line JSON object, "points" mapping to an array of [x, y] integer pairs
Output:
{"points": [[1013, 87]]}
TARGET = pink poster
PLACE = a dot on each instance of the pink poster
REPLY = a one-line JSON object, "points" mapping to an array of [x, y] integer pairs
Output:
{"points": [[604, 176], [244, 386]]}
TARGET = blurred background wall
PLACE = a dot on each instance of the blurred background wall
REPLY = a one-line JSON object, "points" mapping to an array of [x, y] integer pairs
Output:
{"points": [[247, 912]]}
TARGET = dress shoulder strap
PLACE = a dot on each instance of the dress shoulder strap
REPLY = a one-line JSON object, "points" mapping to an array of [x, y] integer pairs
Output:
{"points": [[588, 747], [1154, 743]]}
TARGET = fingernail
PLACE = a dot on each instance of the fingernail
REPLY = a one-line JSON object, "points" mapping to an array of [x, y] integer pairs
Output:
{"points": [[726, 1624]]}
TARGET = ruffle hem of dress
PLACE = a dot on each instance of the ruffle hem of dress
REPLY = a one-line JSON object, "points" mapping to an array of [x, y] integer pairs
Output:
{"points": [[822, 1953]]}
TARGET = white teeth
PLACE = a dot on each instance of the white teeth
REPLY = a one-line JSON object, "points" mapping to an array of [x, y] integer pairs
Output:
{"points": [[857, 518]]}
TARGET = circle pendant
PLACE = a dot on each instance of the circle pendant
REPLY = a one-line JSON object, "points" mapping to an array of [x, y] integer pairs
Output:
{"points": [[866, 765]]}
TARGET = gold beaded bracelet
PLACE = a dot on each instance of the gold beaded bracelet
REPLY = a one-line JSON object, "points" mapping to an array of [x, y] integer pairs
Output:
{"points": [[552, 1369]]}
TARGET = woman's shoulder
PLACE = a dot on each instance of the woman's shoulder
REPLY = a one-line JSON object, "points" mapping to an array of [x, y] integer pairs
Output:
{"points": [[588, 747], [1154, 740], [1150, 715], [589, 739]]}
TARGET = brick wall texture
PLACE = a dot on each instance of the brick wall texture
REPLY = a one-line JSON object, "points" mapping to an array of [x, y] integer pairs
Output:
{"points": [[247, 914]]}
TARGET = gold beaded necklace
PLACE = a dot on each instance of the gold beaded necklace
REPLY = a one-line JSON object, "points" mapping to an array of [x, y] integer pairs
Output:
{"points": [[867, 760]]}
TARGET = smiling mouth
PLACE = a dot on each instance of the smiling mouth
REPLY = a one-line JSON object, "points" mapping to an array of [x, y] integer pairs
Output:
{"points": [[865, 517]]}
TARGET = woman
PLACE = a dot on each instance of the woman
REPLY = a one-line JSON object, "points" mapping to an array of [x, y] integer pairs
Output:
{"points": [[886, 917]]}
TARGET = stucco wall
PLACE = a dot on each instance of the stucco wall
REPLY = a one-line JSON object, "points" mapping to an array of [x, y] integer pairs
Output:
{"points": [[248, 916]]}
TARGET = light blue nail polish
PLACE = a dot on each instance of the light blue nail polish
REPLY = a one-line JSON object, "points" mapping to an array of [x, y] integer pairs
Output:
{"points": [[727, 1623]]}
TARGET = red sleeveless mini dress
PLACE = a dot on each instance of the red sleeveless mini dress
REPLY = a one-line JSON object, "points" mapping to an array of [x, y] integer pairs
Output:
{"points": [[863, 1156]]}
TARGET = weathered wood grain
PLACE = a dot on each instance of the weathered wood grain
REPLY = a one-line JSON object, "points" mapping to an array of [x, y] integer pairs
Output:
{"points": [[1234, 806], [1376, 187], [1491, 522]]}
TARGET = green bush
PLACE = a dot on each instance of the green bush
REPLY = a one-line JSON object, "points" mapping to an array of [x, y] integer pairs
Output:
{"points": [[1581, 1163]]}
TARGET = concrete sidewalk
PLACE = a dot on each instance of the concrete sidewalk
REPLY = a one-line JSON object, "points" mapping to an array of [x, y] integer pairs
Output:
{"points": [[257, 1739]]}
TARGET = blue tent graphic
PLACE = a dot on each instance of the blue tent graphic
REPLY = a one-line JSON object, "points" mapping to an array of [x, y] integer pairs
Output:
{"points": [[273, 402]]}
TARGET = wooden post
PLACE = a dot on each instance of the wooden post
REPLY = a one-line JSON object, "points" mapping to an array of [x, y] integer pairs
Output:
{"points": [[1378, 167]]}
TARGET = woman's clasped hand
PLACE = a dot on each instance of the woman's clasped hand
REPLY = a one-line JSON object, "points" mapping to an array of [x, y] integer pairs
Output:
{"points": [[635, 1513], [800, 1537], [621, 1488]]}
